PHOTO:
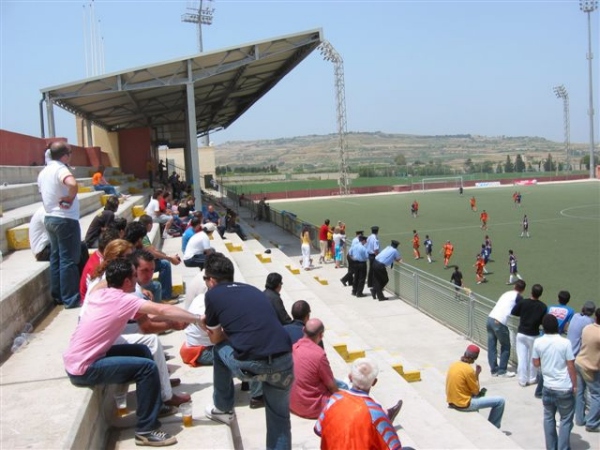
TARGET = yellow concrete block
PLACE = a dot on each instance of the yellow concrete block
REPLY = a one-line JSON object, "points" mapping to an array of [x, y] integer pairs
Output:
{"points": [[113, 181], [1, 211], [18, 237], [255, 236], [178, 285], [145, 185], [134, 190], [117, 172], [138, 211], [266, 259], [355, 355], [399, 368], [342, 349], [412, 376], [232, 247], [293, 270], [104, 199], [321, 280], [130, 178], [84, 189]]}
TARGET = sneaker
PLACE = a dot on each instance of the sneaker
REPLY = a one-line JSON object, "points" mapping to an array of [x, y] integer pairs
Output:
{"points": [[213, 413], [166, 411], [155, 438], [592, 430], [507, 374]]}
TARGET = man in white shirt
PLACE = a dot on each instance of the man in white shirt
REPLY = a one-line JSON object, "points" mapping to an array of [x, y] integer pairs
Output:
{"points": [[38, 237], [554, 354], [198, 247], [58, 187], [158, 216], [498, 331]]}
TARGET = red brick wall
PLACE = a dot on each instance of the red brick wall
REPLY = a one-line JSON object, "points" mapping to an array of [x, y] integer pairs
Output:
{"points": [[134, 149], [22, 150]]}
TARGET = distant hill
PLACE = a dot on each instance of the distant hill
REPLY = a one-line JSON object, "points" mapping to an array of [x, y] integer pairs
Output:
{"points": [[321, 152]]}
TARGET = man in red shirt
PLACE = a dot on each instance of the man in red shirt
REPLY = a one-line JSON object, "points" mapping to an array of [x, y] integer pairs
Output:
{"points": [[323, 240], [313, 379], [95, 259]]}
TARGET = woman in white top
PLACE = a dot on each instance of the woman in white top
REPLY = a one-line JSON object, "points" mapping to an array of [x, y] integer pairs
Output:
{"points": [[338, 245], [305, 248]]}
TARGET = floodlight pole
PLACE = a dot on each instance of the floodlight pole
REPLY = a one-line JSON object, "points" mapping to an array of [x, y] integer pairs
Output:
{"points": [[588, 7], [561, 92], [330, 54], [200, 15]]}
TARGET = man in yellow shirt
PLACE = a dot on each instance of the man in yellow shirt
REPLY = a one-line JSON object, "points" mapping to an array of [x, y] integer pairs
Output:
{"points": [[462, 388]]}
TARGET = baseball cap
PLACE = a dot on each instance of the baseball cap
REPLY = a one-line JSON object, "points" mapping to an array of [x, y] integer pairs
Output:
{"points": [[209, 227], [472, 351]]}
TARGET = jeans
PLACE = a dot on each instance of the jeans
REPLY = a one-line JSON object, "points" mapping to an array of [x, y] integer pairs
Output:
{"points": [[158, 355], [122, 364], [156, 289], [592, 419], [107, 188], [276, 376], [564, 403], [65, 252], [497, 332], [496, 403], [163, 267], [526, 372]]}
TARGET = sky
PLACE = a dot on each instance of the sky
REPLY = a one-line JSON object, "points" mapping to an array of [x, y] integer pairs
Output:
{"points": [[415, 67]]}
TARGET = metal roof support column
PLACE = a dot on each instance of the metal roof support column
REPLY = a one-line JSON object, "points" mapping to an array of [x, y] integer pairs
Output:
{"points": [[88, 129], [193, 142], [50, 114]]}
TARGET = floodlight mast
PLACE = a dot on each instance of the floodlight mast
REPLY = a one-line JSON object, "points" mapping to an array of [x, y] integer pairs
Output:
{"points": [[330, 54], [201, 14], [561, 92], [589, 7]]}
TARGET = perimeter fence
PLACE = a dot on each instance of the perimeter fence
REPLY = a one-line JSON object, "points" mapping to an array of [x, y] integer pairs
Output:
{"points": [[461, 310]]}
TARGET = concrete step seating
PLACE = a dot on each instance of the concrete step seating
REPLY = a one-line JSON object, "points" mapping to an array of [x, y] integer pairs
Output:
{"points": [[25, 278]]}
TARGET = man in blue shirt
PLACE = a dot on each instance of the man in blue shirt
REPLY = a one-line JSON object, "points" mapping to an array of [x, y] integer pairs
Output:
{"points": [[372, 249], [385, 258], [249, 343], [194, 227], [358, 253]]}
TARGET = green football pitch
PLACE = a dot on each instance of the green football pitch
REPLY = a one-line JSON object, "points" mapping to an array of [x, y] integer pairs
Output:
{"points": [[563, 251]]}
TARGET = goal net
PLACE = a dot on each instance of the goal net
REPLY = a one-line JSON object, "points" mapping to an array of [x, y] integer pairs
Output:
{"points": [[427, 184]]}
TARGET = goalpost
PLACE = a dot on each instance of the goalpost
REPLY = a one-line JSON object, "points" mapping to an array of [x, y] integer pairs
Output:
{"points": [[438, 183]]}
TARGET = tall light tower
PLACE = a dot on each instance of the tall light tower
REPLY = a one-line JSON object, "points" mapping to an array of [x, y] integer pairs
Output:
{"points": [[588, 7], [330, 54], [200, 13], [561, 92]]}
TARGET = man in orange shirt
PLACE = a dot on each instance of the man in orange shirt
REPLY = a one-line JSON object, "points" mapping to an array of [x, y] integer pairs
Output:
{"points": [[473, 204], [414, 208], [416, 242], [100, 183], [447, 249], [479, 265], [484, 218]]}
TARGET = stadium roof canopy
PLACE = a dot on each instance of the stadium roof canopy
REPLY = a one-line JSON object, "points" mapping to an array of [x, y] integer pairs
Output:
{"points": [[226, 83]]}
